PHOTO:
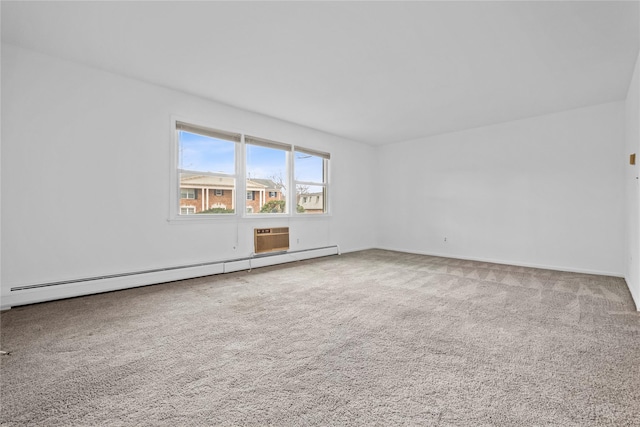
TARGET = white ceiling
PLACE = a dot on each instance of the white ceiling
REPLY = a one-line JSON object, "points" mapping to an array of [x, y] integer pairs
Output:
{"points": [[376, 72]]}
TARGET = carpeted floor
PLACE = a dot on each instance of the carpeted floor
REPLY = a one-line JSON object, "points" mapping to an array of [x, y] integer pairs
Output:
{"points": [[367, 338]]}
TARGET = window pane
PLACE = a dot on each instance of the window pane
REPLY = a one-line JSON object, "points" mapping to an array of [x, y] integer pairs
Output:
{"points": [[309, 168], [187, 210], [206, 154], [200, 158], [203, 197], [187, 193], [311, 199], [266, 179]]}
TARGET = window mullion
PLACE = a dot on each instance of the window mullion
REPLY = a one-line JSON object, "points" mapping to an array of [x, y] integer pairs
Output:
{"points": [[241, 180], [292, 184], [290, 190]]}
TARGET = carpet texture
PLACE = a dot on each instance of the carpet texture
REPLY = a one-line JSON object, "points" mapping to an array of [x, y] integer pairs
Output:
{"points": [[368, 338]]}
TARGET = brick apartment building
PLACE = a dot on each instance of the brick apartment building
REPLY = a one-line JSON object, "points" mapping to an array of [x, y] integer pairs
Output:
{"points": [[261, 191], [199, 193]]}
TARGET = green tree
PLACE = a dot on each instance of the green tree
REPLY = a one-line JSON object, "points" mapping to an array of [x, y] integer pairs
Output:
{"points": [[273, 206], [218, 211], [277, 206]]}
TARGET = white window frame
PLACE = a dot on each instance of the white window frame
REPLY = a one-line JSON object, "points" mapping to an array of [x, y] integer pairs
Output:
{"points": [[174, 201], [326, 157], [216, 191], [288, 149], [240, 176]]}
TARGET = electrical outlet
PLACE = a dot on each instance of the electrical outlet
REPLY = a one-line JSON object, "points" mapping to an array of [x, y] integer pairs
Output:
{"points": [[445, 239]]}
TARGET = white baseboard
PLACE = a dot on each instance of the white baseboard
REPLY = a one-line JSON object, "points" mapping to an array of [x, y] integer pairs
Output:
{"points": [[508, 262], [80, 288], [94, 286], [348, 250], [636, 299], [634, 295]]}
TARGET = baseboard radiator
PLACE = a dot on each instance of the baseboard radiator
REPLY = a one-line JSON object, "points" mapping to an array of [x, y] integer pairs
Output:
{"points": [[30, 294]]}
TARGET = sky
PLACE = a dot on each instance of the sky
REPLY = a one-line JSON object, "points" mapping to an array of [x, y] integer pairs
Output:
{"points": [[206, 154]]}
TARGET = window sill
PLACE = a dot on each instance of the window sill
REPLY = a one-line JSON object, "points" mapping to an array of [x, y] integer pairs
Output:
{"points": [[199, 219]]}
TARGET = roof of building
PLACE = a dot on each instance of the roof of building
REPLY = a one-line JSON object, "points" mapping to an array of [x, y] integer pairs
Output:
{"points": [[313, 201], [200, 180], [267, 183], [208, 181]]}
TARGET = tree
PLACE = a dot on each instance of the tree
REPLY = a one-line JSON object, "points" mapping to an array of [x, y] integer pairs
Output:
{"points": [[217, 211], [273, 206], [281, 185], [277, 206], [301, 190]]}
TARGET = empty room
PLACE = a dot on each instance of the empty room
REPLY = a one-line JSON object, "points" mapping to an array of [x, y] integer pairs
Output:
{"points": [[320, 213]]}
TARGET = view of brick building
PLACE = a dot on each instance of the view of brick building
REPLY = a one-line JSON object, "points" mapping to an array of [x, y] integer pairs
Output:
{"points": [[199, 193], [261, 191]]}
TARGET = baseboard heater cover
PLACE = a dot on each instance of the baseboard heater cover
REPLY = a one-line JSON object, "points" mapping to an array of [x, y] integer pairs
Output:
{"points": [[289, 256]]}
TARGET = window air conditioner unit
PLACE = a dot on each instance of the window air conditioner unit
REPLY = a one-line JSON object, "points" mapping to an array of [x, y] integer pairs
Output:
{"points": [[271, 239]]}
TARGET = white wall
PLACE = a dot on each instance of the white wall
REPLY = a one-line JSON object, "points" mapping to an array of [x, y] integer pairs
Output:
{"points": [[86, 176], [632, 145], [86, 187], [545, 191]]}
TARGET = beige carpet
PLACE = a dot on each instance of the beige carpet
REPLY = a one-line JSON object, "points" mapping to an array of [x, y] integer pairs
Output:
{"points": [[368, 338]]}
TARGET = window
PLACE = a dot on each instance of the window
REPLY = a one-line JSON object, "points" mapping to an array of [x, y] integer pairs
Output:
{"points": [[219, 172], [266, 169], [310, 180], [206, 161], [187, 210], [187, 193]]}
